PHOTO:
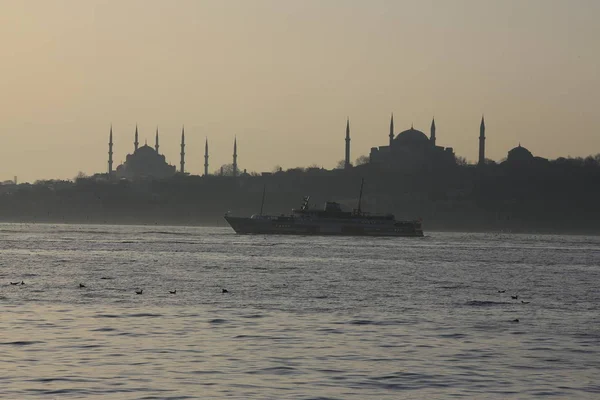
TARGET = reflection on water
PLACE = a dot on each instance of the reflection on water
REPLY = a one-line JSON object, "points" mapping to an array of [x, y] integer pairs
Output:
{"points": [[305, 317]]}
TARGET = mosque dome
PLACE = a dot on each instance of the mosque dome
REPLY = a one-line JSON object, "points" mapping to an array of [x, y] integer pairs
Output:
{"points": [[519, 154], [411, 137], [145, 149], [145, 162]]}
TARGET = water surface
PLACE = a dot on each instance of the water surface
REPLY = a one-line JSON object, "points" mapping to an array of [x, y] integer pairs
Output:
{"points": [[305, 317]]}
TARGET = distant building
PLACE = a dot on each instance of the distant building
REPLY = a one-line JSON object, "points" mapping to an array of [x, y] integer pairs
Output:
{"points": [[521, 157], [412, 149], [144, 162]]}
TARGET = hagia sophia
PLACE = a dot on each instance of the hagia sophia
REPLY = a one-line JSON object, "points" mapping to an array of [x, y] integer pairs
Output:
{"points": [[408, 150], [412, 149]]}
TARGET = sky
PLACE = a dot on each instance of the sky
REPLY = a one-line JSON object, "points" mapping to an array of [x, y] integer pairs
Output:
{"points": [[282, 76]]}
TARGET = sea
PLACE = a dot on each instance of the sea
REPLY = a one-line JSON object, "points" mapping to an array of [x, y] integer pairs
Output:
{"points": [[449, 315]]}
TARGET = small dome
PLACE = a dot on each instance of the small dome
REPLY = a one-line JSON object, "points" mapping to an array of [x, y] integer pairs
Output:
{"points": [[411, 136], [519, 153]]}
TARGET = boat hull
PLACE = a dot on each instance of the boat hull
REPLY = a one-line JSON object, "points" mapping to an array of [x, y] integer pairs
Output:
{"points": [[294, 226]]}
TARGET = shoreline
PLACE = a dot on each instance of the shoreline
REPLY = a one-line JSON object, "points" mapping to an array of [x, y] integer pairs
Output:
{"points": [[462, 229]]}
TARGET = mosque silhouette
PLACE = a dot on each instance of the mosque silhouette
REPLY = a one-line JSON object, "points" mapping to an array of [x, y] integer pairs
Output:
{"points": [[409, 150]]}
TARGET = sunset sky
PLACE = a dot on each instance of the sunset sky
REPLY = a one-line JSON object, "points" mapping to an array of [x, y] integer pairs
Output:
{"points": [[284, 75]]}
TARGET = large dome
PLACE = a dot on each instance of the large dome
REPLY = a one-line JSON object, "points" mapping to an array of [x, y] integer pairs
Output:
{"points": [[519, 153], [145, 149], [145, 162], [411, 136]]}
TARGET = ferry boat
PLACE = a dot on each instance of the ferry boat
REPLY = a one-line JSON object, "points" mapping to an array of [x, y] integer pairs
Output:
{"points": [[330, 220]]}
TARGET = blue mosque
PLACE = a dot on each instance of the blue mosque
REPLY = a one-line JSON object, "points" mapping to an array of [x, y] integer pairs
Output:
{"points": [[148, 162]]}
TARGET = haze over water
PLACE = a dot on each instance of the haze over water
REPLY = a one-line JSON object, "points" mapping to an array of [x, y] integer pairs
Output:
{"points": [[305, 317]]}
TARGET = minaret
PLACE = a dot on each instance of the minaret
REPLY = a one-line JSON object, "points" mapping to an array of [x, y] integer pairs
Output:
{"points": [[432, 136], [135, 143], [206, 158], [347, 159], [182, 165], [156, 142], [392, 130], [235, 166], [110, 153], [482, 142]]}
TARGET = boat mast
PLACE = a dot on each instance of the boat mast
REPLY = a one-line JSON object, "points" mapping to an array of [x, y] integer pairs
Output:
{"points": [[362, 182], [262, 203]]}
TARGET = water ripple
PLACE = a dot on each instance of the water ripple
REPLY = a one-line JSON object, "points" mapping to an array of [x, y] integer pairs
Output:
{"points": [[337, 318]]}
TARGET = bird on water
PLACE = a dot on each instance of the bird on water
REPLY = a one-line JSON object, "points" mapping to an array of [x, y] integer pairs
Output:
{"points": [[81, 285], [15, 283], [516, 297], [139, 291], [515, 320], [224, 291], [173, 291], [501, 291]]}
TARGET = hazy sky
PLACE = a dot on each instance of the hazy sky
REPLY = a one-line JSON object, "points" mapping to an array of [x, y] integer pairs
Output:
{"points": [[284, 75]]}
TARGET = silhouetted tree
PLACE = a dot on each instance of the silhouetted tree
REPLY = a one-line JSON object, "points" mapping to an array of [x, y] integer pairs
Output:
{"points": [[80, 176], [590, 162], [461, 161], [341, 164], [227, 170], [362, 160]]}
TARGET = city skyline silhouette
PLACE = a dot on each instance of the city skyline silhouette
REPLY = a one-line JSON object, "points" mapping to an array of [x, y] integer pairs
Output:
{"points": [[283, 77]]}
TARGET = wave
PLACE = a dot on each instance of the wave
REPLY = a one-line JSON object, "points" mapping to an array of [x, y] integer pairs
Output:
{"points": [[58, 379], [68, 231], [248, 337], [452, 335], [106, 329], [108, 316], [485, 303], [458, 286], [20, 343], [276, 370], [206, 372], [253, 316], [372, 322], [143, 315], [169, 233]]}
